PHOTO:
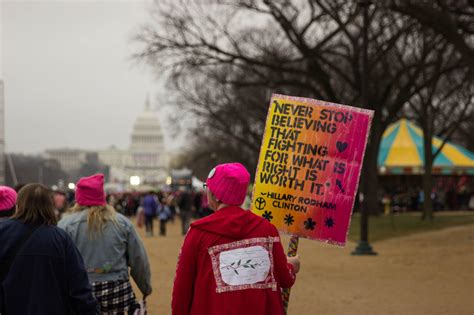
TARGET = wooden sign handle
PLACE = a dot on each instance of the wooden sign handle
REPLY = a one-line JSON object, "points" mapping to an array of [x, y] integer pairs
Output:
{"points": [[292, 250]]}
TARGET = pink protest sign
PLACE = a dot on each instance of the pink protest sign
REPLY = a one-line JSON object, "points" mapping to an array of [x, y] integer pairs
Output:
{"points": [[309, 166]]}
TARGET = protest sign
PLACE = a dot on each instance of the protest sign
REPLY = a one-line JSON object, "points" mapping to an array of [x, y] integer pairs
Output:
{"points": [[309, 166]]}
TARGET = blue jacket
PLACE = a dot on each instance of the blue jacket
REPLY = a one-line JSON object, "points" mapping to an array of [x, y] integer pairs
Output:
{"points": [[150, 205], [47, 276], [108, 256]]}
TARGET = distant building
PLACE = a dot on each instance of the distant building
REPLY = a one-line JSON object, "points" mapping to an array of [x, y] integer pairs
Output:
{"points": [[180, 178], [70, 160], [146, 157], [114, 156], [116, 159]]}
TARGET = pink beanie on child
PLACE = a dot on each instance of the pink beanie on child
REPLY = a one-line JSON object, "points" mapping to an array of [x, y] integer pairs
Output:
{"points": [[90, 191], [229, 182], [7, 198]]}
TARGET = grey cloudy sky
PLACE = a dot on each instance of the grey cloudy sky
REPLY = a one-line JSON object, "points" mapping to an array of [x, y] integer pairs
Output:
{"points": [[69, 80]]}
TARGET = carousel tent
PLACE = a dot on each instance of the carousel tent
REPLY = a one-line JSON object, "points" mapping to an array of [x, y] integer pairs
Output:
{"points": [[401, 152]]}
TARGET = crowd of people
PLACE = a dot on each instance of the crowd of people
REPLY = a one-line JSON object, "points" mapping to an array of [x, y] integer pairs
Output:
{"points": [[185, 203], [447, 194], [62, 258], [162, 206]]}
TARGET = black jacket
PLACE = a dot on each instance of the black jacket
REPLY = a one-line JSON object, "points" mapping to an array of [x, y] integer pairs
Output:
{"points": [[48, 274]]}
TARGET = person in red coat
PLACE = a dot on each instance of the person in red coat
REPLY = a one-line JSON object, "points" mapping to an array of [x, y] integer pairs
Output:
{"points": [[231, 262]]}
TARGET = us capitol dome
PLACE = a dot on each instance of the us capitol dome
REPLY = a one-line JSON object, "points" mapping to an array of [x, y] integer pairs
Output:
{"points": [[145, 162], [147, 148]]}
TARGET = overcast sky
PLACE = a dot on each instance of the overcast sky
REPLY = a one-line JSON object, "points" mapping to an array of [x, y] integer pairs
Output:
{"points": [[69, 80]]}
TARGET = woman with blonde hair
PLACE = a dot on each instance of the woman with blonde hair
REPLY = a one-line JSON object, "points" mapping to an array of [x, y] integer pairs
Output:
{"points": [[109, 245], [41, 270]]}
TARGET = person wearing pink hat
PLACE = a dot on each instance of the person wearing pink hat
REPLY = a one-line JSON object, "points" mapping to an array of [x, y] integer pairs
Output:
{"points": [[7, 202], [110, 246], [231, 262]]}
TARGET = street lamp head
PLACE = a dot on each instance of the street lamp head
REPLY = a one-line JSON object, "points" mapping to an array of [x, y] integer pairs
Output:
{"points": [[135, 180]]}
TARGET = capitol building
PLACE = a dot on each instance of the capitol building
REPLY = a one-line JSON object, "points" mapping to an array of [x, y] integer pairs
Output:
{"points": [[146, 158], [144, 162]]}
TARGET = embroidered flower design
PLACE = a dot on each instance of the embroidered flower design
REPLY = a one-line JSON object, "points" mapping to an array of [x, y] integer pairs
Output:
{"points": [[267, 215], [289, 219], [236, 265], [309, 224], [254, 271]]}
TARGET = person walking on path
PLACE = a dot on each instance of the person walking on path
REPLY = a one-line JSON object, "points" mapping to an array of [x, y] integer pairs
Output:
{"points": [[41, 270], [185, 204], [7, 202], [110, 245], [150, 208], [164, 214], [231, 262]]}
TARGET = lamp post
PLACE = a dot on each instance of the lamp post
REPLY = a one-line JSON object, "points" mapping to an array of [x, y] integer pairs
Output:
{"points": [[363, 247]]}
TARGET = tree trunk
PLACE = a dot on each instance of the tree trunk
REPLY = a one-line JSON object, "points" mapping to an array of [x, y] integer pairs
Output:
{"points": [[371, 181], [427, 174], [370, 176], [428, 203]]}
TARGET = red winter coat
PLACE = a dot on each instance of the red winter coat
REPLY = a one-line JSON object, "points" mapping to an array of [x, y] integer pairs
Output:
{"points": [[231, 262]]}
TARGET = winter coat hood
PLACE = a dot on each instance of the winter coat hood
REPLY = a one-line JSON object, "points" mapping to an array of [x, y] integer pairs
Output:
{"points": [[232, 222]]}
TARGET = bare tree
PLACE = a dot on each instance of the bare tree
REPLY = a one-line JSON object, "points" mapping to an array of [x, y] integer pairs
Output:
{"points": [[224, 55], [463, 134], [452, 19], [441, 106]]}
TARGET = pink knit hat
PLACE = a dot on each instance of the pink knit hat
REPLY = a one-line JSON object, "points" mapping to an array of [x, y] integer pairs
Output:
{"points": [[90, 191], [228, 182], [7, 198]]}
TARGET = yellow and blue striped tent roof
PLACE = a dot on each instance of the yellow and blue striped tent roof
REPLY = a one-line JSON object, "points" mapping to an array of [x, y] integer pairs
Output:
{"points": [[401, 152]]}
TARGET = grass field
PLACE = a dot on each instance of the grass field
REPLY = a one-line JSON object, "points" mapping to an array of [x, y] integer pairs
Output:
{"points": [[402, 224]]}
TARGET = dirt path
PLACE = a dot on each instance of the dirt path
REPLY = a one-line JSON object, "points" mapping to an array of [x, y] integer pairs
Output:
{"points": [[430, 273]]}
